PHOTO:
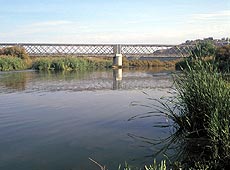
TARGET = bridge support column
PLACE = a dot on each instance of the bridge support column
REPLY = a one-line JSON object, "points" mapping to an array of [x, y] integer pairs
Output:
{"points": [[117, 60]]}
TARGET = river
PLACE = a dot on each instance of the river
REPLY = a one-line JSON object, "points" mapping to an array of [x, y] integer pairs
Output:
{"points": [[57, 121]]}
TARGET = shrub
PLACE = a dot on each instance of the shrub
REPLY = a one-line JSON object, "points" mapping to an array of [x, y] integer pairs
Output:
{"points": [[147, 63], [202, 50], [223, 58], [203, 115], [199, 115], [223, 53], [15, 51], [69, 63], [8, 63], [42, 64]]}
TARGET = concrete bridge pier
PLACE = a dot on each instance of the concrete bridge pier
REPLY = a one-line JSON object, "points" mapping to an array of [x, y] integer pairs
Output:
{"points": [[117, 60]]}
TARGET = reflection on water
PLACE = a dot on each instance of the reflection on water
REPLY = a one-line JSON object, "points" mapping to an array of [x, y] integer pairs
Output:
{"points": [[117, 79], [15, 81], [55, 121], [126, 79]]}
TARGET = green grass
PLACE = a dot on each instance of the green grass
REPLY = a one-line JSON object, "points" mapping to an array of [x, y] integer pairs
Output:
{"points": [[199, 114], [69, 63], [9, 63], [203, 115], [155, 166], [148, 63], [220, 56]]}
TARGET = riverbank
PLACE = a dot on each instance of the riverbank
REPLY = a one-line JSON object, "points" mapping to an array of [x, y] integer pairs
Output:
{"points": [[15, 58], [12, 63]]}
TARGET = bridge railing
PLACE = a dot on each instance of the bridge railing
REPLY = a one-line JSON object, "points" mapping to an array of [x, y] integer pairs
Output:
{"points": [[141, 50]]}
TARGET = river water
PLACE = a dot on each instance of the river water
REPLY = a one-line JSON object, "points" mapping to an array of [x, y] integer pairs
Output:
{"points": [[57, 121]]}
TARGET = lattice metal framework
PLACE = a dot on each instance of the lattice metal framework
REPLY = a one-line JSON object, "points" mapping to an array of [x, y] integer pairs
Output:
{"points": [[104, 49], [156, 50]]}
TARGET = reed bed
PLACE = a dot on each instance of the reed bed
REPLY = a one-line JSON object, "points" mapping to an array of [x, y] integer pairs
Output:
{"points": [[148, 63], [9, 63], [69, 63], [204, 115], [14, 58], [199, 116]]}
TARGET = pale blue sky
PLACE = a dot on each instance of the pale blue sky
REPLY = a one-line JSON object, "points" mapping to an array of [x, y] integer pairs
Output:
{"points": [[113, 21]]}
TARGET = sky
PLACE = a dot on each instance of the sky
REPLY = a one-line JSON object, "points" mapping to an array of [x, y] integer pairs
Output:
{"points": [[113, 21]]}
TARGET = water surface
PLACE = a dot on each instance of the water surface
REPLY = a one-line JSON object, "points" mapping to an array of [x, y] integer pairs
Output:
{"points": [[56, 121]]}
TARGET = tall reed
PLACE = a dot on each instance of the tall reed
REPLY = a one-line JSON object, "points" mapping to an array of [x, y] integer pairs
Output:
{"points": [[199, 114], [69, 63], [203, 115], [8, 63]]}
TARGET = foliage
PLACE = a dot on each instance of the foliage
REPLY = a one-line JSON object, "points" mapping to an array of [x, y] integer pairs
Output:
{"points": [[69, 63], [154, 166], [8, 63], [42, 64], [207, 52], [147, 63], [203, 49], [223, 53], [17, 51], [203, 117], [161, 166], [223, 58], [204, 107], [199, 113], [181, 65], [100, 62]]}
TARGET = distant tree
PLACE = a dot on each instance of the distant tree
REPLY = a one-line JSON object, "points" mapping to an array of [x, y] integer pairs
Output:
{"points": [[203, 49], [223, 53]]}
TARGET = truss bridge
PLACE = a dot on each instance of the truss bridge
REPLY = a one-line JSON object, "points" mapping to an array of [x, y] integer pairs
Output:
{"points": [[108, 50]]}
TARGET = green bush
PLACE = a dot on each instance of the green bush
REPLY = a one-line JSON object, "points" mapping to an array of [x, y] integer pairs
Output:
{"points": [[202, 50], [199, 114], [223, 58], [18, 52], [203, 115], [147, 63], [15, 51], [223, 53], [8, 63], [69, 63], [42, 64], [183, 64]]}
